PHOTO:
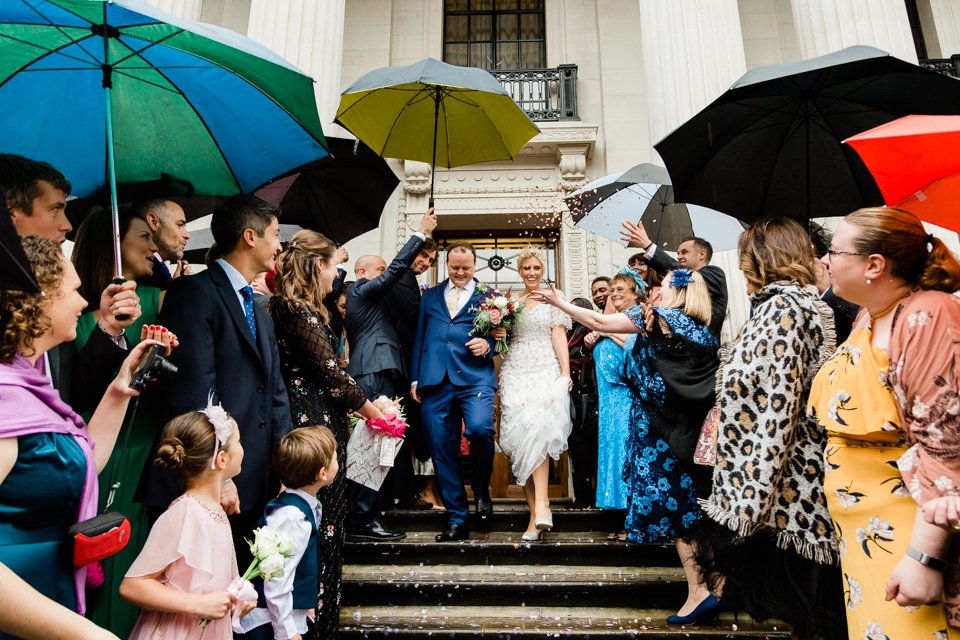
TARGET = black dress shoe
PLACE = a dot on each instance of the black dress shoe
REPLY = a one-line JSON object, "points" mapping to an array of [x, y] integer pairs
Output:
{"points": [[374, 532], [484, 508], [453, 533]]}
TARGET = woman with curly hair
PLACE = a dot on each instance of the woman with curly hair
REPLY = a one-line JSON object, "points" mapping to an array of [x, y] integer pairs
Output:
{"points": [[888, 399], [321, 391], [670, 369], [775, 546], [40, 435]]}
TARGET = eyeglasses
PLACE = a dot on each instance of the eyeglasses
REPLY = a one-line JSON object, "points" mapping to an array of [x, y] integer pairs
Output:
{"points": [[841, 252]]}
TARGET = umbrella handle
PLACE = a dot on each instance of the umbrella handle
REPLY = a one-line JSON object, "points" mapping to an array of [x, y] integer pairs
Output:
{"points": [[122, 317]]}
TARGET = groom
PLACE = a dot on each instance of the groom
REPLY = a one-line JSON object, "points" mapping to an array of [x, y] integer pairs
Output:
{"points": [[452, 374]]}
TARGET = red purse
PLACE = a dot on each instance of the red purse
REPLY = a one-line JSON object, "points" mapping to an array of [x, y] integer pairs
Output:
{"points": [[99, 537], [109, 532]]}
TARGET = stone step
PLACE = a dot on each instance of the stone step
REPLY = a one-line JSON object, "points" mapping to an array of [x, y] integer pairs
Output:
{"points": [[527, 584], [505, 622], [506, 548], [508, 516]]}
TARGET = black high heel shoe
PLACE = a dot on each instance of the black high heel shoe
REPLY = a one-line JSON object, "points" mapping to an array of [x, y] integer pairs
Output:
{"points": [[706, 611]]}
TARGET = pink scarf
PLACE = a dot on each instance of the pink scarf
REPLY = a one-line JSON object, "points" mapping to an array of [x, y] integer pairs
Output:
{"points": [[32, 406]]}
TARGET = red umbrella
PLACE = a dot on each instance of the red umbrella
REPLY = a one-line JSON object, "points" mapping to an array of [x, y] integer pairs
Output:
{"points": [[916, 164]]}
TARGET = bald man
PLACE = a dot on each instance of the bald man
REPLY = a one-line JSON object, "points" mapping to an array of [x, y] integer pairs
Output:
{"points": [[168, 224], [376, 359]]}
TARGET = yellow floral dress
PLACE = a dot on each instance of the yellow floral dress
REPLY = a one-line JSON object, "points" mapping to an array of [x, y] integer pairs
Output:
{"points": [[871, 508]]}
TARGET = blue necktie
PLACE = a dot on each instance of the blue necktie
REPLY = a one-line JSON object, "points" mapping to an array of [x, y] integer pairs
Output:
{"points": [[247, 294]]}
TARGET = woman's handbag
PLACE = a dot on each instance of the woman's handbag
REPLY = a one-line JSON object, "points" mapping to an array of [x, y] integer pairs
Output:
{"points": [[99, 537], [706, 450], [109, 532]]}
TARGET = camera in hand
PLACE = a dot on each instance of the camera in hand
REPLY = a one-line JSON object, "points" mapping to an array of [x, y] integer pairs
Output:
{"points": [[151, 365]]}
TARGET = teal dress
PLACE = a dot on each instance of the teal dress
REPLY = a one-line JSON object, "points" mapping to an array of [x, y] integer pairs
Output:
{"points": [[104, 605], [39, 500], [614, 399]]}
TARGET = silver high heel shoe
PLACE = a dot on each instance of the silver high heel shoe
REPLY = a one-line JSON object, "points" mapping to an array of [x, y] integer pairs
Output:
{"points": [[544, 524], [532, 536]]}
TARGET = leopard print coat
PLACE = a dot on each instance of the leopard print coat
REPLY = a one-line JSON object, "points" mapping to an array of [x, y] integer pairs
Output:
{"points": [[770, 457]]}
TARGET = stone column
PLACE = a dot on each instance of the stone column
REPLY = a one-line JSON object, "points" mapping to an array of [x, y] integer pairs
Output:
{"points": [[309, 34], [946, 22], [692, 52], [189, 9], [824, 26]]}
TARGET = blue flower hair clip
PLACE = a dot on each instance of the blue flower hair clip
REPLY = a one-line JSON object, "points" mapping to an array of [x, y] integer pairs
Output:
{"points": [[627, 271], [681, 278]]}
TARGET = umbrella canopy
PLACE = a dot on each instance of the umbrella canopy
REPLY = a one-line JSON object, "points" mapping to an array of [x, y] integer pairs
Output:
{"points": [[916, 165], [602, 206], [771, 145], [341, 196], [191, 100], [435, 112]]}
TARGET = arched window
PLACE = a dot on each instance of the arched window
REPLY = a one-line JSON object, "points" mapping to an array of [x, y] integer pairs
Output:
{"points": [[494, 34]]}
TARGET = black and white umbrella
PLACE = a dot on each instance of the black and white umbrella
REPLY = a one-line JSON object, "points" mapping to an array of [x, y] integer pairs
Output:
{"points": [[644, 193]]}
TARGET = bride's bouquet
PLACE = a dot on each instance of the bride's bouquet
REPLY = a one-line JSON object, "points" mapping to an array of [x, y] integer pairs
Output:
{"points": [[373, 446], [494, 311]]}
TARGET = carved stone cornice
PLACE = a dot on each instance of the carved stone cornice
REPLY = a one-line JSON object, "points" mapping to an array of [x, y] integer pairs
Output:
{"points": [[416, 177]]}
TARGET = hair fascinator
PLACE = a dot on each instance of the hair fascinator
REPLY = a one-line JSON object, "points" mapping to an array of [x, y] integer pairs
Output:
{"points": [[222, 426], [681, 278], [630, 273]]}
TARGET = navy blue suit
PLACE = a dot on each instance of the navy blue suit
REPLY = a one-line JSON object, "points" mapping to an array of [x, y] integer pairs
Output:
{"points": [[456, 388]]}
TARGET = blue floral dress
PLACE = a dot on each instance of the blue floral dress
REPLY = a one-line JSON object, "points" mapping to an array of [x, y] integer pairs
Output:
{"points": [[661, 497]]}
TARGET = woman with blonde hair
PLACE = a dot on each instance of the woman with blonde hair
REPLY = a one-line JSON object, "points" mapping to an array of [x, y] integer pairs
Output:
{"points": [[321, 392], [888, 399], [775, 545], [670, 369], [535, 395]]}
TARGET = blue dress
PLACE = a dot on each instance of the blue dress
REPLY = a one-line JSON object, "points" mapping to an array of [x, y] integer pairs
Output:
{"points": [[661, 497], [39, 500], [614, 399]]}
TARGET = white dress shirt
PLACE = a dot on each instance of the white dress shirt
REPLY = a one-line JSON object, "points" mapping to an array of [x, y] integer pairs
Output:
{"points": [[287, 622]]}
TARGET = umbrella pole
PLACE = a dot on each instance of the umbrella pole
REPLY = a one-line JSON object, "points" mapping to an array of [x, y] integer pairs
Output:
{"points": [[107, 83], [112, 179], [433, 163]]}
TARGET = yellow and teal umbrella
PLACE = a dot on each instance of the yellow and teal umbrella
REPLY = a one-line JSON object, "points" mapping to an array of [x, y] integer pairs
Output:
{"points": [[435, 112]]}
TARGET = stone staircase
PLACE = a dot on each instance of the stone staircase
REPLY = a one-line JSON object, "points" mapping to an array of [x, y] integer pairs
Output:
{"points": [[575, 583]]}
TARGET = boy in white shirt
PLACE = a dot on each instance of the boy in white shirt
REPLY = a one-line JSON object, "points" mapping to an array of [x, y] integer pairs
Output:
{"points": [[305, 461]]}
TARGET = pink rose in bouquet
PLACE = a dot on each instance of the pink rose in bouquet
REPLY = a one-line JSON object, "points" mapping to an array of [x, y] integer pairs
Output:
{"points": [[495, 310]]}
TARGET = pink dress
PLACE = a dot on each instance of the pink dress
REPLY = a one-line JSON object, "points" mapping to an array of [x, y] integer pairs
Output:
{"points": [[191, 544]]}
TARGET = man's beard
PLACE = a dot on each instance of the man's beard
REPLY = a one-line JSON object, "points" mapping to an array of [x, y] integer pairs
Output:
{"points": [[171, 253]]}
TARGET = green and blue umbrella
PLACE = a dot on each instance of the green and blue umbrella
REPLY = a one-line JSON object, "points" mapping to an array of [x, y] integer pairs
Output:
{"points": [[118, 91]]}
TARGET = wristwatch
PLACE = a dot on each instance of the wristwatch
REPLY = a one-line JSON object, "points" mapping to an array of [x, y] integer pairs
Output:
{"points": [[926, 560], [119, 340]]}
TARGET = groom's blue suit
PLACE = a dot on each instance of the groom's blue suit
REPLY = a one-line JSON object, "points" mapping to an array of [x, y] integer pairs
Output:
{"points": [[455, 387]]}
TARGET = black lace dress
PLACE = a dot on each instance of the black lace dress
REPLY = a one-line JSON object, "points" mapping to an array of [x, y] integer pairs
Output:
{"points": [[321, 393]]}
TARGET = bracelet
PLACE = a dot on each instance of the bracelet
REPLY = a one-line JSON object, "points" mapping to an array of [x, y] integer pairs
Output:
{"points": [[114, 337], [927, 560], [647, 248]]}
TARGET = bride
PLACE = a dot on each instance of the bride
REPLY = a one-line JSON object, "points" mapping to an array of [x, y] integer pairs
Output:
{"points": [[534, 395]]}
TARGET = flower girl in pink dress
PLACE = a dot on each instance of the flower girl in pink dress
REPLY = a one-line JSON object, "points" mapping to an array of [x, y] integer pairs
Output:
{"points": [[182, 574]]}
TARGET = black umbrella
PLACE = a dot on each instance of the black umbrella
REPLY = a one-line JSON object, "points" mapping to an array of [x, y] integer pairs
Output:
{"points": [[771, 144], [341, 196]]}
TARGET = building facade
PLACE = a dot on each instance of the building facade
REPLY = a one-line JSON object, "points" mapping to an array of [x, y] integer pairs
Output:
{"points": [[603, 79]]}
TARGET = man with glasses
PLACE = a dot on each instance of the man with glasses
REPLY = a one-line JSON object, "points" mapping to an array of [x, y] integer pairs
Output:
{"points": [[844, 313]]}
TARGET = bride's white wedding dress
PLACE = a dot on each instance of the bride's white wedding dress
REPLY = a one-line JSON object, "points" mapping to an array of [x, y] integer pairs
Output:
{"points": [[534, 400]]}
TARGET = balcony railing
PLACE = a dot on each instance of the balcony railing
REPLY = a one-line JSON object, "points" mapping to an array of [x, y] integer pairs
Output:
{"points": [[947, 66], [546, 95]]}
